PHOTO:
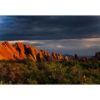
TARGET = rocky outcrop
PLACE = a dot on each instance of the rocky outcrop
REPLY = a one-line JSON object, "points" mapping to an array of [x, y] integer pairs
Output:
{"points": [[20, 51], [8, 52], [97, 56], [54, 56]]}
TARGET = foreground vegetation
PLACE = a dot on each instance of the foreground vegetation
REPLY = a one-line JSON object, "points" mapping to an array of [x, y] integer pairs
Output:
{"points": [[71, 72]]}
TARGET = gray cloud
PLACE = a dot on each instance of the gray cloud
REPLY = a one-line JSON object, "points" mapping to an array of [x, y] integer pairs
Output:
{"points": [[68, 46]]}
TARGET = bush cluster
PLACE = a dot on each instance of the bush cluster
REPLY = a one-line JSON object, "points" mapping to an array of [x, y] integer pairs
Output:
{"points": [[70, 72]]}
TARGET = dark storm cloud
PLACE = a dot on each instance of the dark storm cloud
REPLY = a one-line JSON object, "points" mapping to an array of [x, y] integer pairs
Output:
{"points": [[48, 27]]}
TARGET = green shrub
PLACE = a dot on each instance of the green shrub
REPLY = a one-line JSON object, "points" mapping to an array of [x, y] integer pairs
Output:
{"points": [[28, 72]]}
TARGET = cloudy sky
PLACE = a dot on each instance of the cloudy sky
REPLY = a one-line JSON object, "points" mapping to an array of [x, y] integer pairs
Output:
{"points": [[66, 34]]}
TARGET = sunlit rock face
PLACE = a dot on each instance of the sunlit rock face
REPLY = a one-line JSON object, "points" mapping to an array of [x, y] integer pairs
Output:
{"points": [[20, 48], [60, 57], [8, 52], [54, 56], [20, 51], [31, 52]]}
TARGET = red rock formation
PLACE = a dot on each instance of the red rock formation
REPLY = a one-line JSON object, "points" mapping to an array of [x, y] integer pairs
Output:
{"points": [[54, 56], [47, 56], [60, 57], [31, 51], [8, 51], [20, 51], [40, 55], [20, 48], [2, 57]]}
